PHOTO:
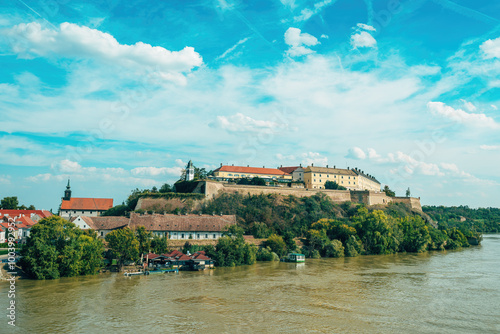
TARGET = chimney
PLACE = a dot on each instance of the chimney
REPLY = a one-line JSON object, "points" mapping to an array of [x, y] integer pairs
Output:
{"points": [[263, 166], [248, 165], [312, 165], [232, 165], [221, 164], [300, 165], [334, 166], [326, 166], [347, 168]]}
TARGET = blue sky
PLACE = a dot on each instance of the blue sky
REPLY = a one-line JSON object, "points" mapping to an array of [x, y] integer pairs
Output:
{"points": [[121, 94]]}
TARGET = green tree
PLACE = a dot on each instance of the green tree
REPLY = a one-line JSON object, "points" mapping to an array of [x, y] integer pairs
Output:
{"points": [[276, 244], [408, 192], [334, 186], [334, 249], [118, 210], [9, 203], [57, 248], [260, 230], [159, 245], [31, 207], [123, 244], [388, 191], [144, 238], [416, 237], [166, 188]]}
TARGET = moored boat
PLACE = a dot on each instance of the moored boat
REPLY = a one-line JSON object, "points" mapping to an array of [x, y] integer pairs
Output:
{"points": [[294, 257]]}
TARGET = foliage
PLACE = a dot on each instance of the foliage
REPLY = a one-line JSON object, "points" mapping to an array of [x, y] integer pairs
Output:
{"points": [[334, 186], [484, 220], [144, 238], [57, 248], [159, 245], [416, 237], [124, 245], [118, 210], [260, 230], [9, 203], [266, 254], [255, 181], [276, 244], [388, 191], [166, 188], [334, 248], [232, 250]]}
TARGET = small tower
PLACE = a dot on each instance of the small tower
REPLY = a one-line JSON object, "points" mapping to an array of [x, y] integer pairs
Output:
{"points": [[190, 171], [67, 193]]}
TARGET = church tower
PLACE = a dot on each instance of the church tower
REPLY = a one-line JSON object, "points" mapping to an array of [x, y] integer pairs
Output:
{"points": [[190, 171], [67, 193]]}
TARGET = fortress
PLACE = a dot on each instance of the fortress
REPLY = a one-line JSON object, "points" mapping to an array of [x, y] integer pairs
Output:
{"points": [[212, 188]]}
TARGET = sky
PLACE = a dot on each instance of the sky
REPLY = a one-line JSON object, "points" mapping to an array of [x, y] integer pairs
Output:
{"points": [[118, 95]]}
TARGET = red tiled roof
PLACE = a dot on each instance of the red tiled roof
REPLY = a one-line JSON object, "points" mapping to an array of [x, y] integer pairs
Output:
{"points": [[250, 170], [200, 257], [6, 225], [288, 170], [92, 204], [14, 213], [25, 220], [151, 256], [106, 222]]}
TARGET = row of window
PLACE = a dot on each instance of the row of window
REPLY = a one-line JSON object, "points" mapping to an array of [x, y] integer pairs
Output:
{"points": [[68, 211], [335, 176], [342, 182]]}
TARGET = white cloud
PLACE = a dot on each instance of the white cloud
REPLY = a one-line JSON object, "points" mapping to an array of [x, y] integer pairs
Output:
{"points": [[363, 40], [468, 105], [491, 48], [156, 171], [372, 154], [231, 49], [490, 147], [494, 107], [325, 36], [289, 3], [307, 13], [366, 27], [298, 42], [356, 153], [460, 116], [243, 123], [4, 179], [73, 41], [310, 158]]}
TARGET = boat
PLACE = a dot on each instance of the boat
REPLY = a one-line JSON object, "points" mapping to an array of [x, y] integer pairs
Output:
{"points": [[134, 273], [294, 257]]}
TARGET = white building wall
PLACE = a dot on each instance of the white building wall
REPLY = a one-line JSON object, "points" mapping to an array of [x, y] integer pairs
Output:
{"points": [[81, 224], [74, 213], [186, 235]]}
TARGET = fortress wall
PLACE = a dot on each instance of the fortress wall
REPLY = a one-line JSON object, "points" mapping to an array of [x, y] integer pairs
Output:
{"points": [[413, 202], [213, 188]]}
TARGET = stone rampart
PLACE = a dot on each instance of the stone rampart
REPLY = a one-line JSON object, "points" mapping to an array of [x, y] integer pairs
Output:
{"points": [[213, 188]]}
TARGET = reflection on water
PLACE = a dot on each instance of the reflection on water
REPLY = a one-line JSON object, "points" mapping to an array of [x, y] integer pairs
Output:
{"points": [[445, 292]]}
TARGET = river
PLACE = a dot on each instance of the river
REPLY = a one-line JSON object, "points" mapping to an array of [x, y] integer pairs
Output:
{"points": [[436, 292]]}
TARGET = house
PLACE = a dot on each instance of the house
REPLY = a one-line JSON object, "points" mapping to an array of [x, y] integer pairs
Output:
{"points": [[83, 222], [3, 234], [35, 215], [90, 207], [190, 226], [297, 172], [10, 230], [225, 172], [104, 225], [177, 259]]}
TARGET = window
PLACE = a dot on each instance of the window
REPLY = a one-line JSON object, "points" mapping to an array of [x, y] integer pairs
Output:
{"points": [[215, 236], [182, 236], [320, 181], [342, 176], [198, 236], [74, 211], [314, 180], [314, 174], [349, 177], [349, 182], [90, 212], [328, 176], [83, 211], [206, 236], [102, 234]]}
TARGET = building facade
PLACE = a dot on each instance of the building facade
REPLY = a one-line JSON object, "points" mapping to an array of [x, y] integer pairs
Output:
{"points": [[297, 172], [79, 206], [238, 172], [316, 177]]}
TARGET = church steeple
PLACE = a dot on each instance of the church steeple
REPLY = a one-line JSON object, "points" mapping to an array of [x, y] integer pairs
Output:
{"points": [[67, 193]]}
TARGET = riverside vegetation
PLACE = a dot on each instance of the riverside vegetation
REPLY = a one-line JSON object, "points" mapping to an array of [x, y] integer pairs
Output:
{"points": [[56, 248]]}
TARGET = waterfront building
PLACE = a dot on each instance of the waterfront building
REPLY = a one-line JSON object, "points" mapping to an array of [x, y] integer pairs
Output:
{"points": [[352, 179], [177, 227]]}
